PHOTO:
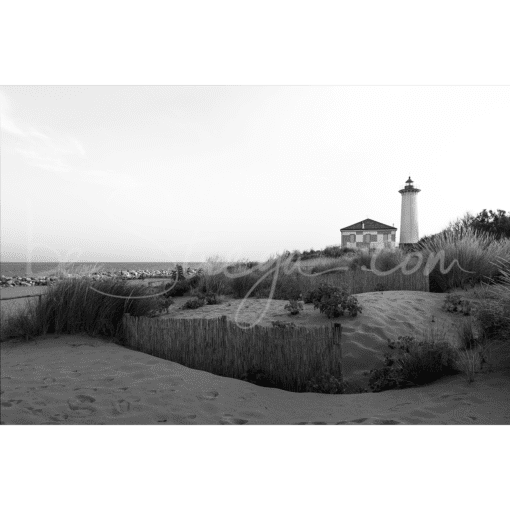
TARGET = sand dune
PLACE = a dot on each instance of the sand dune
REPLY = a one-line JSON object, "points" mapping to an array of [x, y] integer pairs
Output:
{"points": [[82, 380]]}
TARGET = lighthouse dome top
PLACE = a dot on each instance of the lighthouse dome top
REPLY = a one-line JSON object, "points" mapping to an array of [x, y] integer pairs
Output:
{"points": [[409, 187]]}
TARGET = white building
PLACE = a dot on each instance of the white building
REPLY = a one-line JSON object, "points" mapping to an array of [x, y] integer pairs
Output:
{"points": [[369, 234]]}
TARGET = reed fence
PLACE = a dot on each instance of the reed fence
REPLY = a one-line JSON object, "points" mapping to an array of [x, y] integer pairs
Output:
{"points": [[289, 356], [359, 281]]}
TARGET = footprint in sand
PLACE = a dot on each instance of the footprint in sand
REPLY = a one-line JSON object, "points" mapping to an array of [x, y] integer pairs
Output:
{"points": [[82, 403], [58, 418], [228, 419], [34, 411], [181, 419], [378, 421], [121, 406], [10, 403], [210, 395]]}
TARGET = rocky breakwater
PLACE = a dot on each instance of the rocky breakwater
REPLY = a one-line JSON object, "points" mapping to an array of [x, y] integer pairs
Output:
{"points": [[30, 281], [26, 281]]}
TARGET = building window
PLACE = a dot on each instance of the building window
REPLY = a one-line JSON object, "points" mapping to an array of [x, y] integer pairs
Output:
{"points": [[393, 237], [353, 238], [373, 238]]}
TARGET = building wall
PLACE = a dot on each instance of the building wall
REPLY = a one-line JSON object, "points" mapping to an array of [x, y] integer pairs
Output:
{"points": [[376, 240]]}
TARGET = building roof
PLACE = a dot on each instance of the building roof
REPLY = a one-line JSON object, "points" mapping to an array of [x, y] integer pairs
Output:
{"points": [[368, 224]]}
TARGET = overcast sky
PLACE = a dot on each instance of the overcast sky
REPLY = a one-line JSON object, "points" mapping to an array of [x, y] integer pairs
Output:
{"points": [[125, 173]]}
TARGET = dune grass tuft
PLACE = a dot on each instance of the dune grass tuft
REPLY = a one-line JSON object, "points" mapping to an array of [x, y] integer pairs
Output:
{"points": [[74, 305], [477, 255]]}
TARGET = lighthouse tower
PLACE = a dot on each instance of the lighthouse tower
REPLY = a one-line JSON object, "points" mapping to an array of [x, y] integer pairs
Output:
{"points": [[409, 215]]}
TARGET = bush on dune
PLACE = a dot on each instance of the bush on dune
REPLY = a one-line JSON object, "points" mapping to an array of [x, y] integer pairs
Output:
{"points": [[414, 363], [333, 301]]}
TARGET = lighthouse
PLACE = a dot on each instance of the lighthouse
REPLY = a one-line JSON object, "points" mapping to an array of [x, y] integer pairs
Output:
{"points": [[409, 215]]}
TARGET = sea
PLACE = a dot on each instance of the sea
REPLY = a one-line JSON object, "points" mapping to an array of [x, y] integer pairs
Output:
{"points": [[50, 268]]}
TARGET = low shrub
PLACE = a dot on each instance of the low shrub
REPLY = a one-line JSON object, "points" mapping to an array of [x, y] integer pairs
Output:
{"points": [[256, 375], [325, 384], [494, 319], [177, 288], [454, 303], [193, 303], [212, 299], [334, 301], [411, 363], [162, 306], [209, 298], [294, 306]]}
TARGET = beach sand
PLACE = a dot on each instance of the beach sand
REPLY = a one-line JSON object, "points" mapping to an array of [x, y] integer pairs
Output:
{"points": [[82, 380]]}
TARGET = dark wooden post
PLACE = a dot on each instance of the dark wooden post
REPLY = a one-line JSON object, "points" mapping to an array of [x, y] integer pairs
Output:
{"points": [[337, 333], [337, 336]]}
